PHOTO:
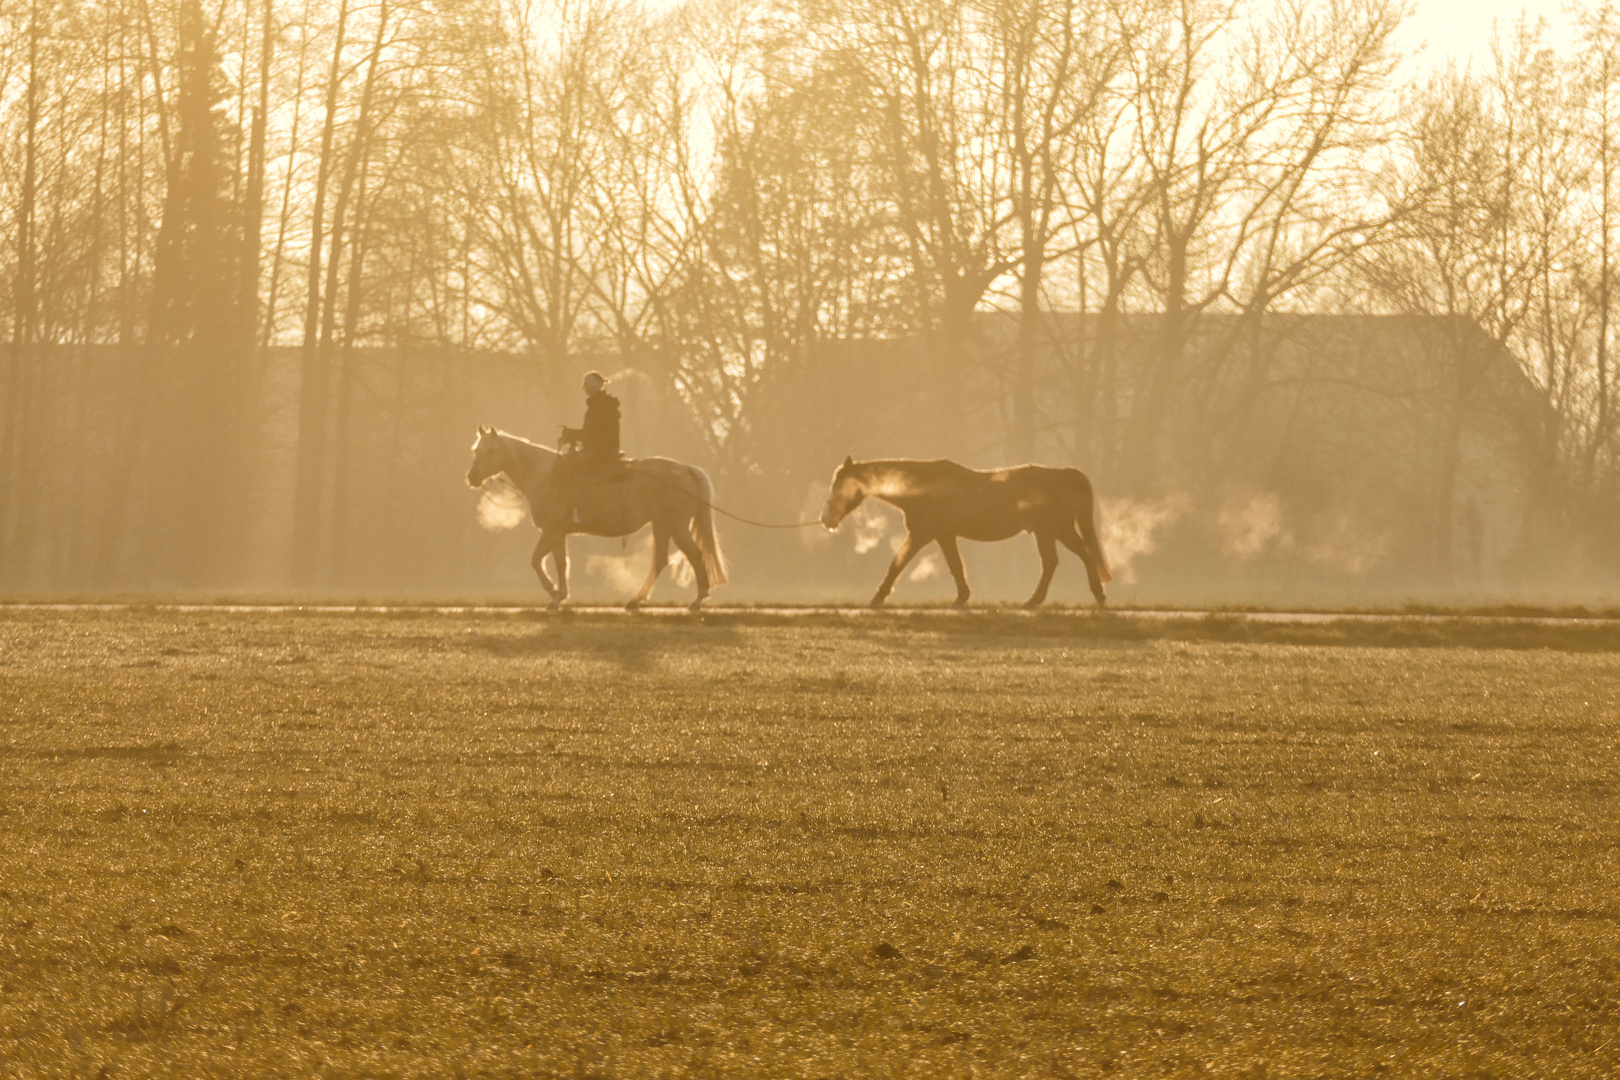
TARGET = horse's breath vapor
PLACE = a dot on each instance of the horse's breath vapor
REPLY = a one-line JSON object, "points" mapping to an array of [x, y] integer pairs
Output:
{"points": [[927, 567], [871, 526], [1257, 525], [501, 505], [614, 571], [1249, 526], [1128, 526]]}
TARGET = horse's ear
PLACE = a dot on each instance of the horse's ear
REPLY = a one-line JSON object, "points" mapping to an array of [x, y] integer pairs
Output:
{"points": [[848, 461]]}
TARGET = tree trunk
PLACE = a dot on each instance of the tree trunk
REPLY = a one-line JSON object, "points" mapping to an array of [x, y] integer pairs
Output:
{"points": [[314, 385], [342, 513], [253, 197], [19, 405], [1024, 416], [112, 526]]}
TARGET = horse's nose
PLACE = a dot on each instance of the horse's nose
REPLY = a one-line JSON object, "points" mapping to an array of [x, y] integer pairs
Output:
{"points": [[826, 515]]}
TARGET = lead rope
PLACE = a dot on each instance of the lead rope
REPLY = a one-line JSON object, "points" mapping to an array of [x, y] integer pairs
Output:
{"points": [[737, 517], [760, 524]]}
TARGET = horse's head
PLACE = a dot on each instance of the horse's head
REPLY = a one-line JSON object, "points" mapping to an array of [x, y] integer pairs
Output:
{"points": [[487, 457], [845, 495]]}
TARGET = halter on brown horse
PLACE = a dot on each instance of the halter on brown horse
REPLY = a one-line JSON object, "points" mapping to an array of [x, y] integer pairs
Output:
{"points": [[674, 497], [943, 500]]}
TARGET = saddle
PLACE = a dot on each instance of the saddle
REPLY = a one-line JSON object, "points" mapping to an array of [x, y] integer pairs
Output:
{"points": [[589, 486], [616, 471], [585, 470]]}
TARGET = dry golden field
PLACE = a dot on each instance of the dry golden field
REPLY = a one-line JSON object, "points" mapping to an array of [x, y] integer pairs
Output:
{"points": [[426, 844]]}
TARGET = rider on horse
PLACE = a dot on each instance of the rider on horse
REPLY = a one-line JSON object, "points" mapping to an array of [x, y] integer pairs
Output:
{"points": [[595, 442]]}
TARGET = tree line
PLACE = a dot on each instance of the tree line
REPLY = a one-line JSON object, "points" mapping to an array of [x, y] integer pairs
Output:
{"points": [[713, 190]]}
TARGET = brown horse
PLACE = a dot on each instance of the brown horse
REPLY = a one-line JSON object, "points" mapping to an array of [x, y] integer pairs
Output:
{"points": [[675, 498], [943, 500]]}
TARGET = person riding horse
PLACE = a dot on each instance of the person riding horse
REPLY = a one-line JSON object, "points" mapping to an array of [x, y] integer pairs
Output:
{"points": [[675, 498], [594, 444]]}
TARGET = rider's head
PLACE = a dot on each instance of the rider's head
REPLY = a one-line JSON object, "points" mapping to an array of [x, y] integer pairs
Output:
{"points": [[594, 383]]}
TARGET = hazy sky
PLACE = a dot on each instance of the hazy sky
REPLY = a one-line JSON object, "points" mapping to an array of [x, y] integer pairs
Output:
{"points": [[1461, 29]]}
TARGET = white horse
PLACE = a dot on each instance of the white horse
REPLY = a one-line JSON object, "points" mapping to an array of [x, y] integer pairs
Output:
{"points": [[675, 498]]}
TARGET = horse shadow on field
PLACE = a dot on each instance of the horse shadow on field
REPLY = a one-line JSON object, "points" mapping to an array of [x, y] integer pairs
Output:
{"points": [[630, 645]]}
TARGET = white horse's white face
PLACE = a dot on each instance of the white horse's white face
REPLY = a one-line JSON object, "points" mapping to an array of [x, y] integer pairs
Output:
{"points": [[487, 457], [843, 497]]}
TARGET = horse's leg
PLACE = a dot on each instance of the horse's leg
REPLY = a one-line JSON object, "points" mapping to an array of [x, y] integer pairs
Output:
{"points": [[541, 549], [908, 547], [953, 559], [694, 555], [660, 559], [1046, 543], [1073, 541], [559, 559]]}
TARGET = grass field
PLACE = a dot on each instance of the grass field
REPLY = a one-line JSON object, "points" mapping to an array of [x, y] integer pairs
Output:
{"points": [[257, 844]]}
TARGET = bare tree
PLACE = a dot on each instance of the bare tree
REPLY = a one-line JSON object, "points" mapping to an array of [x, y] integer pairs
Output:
{"points": [[1245, 162], [1054, 65], [1599, 116], [1454, 257], [538, 139], [932, 126], [315, 384], [19, 546]]}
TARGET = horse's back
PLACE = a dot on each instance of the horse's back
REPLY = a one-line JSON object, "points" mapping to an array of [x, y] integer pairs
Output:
{"points": [[1060, 476], [1018, 493], [664, 469], [1024, 477], [666, 479], [655, 461], [950, 481]]}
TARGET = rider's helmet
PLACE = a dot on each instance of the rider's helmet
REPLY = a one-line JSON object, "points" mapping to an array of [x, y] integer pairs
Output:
{"points": [[593, 382]]}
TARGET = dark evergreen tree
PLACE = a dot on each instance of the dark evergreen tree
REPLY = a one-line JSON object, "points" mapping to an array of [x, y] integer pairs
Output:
{"points": [[194, 294], [195, 329]]}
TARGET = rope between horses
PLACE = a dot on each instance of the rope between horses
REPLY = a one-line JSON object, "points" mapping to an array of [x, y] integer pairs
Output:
{"points": [[735, 517], [759, 524]]}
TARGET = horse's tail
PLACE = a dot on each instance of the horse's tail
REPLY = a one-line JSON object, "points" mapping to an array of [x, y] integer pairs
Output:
{"points": [[708, 541], [1085, 519]]}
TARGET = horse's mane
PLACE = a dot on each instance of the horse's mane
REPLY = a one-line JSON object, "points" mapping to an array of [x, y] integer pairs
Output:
{"points": [[530, 443], [534, 461]]}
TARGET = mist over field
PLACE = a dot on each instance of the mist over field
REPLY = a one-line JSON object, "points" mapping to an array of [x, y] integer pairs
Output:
{"points": [[1322, 324]]}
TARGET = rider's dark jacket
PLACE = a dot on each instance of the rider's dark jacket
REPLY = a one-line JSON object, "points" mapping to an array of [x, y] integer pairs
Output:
{"points": [[599, 434]]}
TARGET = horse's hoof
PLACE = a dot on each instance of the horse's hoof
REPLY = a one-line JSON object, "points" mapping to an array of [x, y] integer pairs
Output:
{"points": [[633, 606], [695, 606], [555, 605], [1031, 604], [959, 602], [877, 602]]}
